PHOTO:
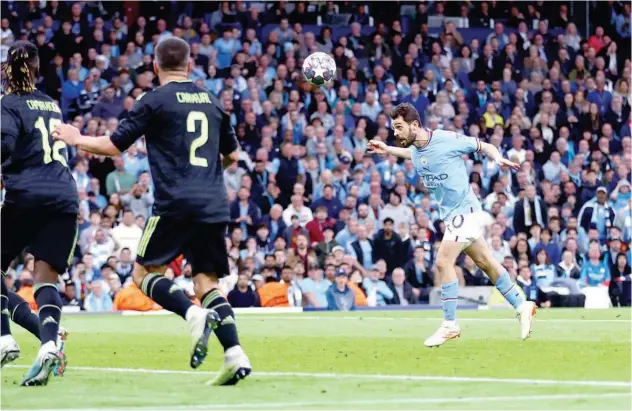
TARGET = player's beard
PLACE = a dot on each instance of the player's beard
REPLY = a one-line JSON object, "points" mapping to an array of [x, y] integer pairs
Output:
{"points": [[409, 140]]}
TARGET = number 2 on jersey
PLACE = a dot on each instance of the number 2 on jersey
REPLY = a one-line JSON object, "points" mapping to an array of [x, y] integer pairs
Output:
{"points": [[55, 152], [199, 141]]}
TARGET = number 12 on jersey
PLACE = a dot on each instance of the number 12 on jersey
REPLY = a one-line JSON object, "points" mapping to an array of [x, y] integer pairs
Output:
{"points": [[55, 152]]}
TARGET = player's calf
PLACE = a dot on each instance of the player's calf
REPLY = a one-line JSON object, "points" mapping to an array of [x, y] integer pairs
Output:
{"points": [[22, 315], [161, 289], [49, 303]]}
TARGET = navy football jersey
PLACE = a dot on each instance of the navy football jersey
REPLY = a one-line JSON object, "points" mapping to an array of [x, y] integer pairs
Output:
{"points": [[185, 132], [34, 166]]}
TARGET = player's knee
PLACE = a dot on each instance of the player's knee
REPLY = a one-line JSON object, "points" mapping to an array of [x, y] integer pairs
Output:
{"points": [[204, 282], [138, 274], [44, 272], [443, 263]]}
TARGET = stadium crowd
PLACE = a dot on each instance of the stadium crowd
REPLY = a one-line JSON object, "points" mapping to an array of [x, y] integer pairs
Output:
{"points": [[316, 221]]}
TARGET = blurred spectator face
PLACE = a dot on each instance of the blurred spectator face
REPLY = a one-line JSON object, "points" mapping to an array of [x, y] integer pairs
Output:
{"points": [[242, 282], [162, 25], [97, 288], [602, 196], [388, 227], [140, 221], [593, 251]]}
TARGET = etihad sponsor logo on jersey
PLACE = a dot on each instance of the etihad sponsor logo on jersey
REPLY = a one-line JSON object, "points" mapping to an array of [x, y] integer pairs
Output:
{"points": [[193, 98], [433, 180], [43, 106]]}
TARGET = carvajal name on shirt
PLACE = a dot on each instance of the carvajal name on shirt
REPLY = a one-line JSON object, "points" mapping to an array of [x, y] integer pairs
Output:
{"points": [[193, 98]]}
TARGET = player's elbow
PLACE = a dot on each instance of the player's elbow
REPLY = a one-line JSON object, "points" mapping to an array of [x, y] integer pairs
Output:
{"points": [[234, 156], [230, 159]]}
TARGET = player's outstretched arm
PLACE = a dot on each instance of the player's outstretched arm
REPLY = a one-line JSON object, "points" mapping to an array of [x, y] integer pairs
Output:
{"points": [[492, 152], [381, 148], [95, 145]]}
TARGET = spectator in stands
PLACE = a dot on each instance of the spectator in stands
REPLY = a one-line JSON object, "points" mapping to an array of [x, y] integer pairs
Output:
{"points": [[138, 200], [621, 283], [568, 267], [70, 297], [315, 287], [376, 290], [243, 295], [119, 181], [339, 296], [387, 245], [108, 106], [97, 299], [362, 248], [531, 289], [543, 270], [597, 213], [244, 211], [594, 271], [328, 200], [318, 225], [403, 292]]}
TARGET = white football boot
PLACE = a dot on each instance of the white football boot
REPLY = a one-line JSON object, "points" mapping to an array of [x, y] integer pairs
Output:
{"points": [[236, 367], [447, 331], [202, 322], [47, 360], [525, 314], [9, 349]]}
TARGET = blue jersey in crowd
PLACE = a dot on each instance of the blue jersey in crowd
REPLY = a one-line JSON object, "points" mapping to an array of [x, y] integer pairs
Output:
{"points": [[593, 275], [442, 169]]}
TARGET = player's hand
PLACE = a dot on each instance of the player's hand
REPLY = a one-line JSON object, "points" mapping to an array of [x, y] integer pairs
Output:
{"points": [[510, 164], [377, 147], [67, 133]]}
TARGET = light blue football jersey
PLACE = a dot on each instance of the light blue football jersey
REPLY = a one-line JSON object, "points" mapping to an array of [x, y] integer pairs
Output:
{"points": [[442, 169]]}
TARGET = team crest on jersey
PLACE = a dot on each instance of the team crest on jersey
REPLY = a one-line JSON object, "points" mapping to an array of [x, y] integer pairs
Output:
{"points": [[423, 160]]}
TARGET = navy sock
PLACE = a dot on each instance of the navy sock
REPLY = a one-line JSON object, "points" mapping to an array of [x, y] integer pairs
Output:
{"points": [[49, 303], [4, 321], [22, 315], [226, 331], [168, 295]]}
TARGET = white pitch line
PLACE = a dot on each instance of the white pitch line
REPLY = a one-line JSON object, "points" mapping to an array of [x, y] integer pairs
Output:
{"points": [[342, 402], [360, 318], [383, 377]]}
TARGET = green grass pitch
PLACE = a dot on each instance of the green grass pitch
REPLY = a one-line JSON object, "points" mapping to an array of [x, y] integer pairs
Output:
{"points": [[575, 359]]}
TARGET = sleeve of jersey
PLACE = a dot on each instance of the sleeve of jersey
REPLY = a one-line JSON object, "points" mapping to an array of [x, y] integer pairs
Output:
{"points": [[463, 144], [10, 132], [227, 139], [133, 127], [413, 156]]}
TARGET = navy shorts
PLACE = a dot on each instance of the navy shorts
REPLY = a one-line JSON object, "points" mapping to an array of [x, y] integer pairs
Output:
{"points": [[50, 236], [202, 244]]}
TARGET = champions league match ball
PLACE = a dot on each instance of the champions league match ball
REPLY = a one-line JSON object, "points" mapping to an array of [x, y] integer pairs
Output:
{"points": [[319, 68]]}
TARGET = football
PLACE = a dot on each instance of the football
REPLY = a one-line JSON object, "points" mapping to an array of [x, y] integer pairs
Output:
{"points": [[319, 68]]}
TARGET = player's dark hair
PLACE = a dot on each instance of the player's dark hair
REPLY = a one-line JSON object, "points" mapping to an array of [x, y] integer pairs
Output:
{"points": [[407, 112], [21, 68], [172, 54]]}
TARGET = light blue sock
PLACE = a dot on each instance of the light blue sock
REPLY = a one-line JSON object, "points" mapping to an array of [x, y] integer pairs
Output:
{"points": [[449, 299], [509, 290]]}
